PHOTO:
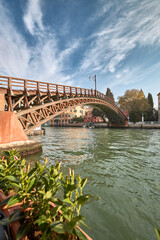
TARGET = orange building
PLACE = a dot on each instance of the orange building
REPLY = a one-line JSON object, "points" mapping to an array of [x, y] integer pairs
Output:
{"points": [[66, 117]]}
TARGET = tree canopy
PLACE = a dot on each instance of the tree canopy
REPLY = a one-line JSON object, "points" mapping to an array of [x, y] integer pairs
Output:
{"points": [[135, 103], [109, 93], [152, 114], [150, 100]]}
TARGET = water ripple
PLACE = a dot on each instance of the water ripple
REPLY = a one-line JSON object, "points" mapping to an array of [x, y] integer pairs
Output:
{"points": [[123, 168]]}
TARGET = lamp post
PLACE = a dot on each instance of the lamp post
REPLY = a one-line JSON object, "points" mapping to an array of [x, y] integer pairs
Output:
{"points": [[94, 77]]}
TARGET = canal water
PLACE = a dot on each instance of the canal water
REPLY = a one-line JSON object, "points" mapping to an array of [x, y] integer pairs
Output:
{"points": [[123, 169]]}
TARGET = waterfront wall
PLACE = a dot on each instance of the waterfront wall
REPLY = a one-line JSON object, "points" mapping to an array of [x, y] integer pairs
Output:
{"points": [[36, 132], [106, 125]]}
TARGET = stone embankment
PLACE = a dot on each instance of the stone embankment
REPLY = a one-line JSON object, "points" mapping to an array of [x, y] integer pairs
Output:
{"points": [[37, 132], [23, 147], [96, 125], [105, 125], [144, 126]]}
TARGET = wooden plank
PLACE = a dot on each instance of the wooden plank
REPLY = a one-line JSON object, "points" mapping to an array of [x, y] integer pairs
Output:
{"points": [[4, 84], [32, 117], [32, 100], [18, 102], [21, 121]]}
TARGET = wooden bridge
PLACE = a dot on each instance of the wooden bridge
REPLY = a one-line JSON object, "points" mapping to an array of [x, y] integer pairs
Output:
{"points": [[35, 102]]}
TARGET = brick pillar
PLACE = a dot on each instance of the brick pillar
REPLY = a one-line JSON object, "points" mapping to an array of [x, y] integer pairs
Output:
{"points": [[2, 102]]}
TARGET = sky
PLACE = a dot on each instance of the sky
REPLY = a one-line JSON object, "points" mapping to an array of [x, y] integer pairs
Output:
{"points": [[66, 41]]}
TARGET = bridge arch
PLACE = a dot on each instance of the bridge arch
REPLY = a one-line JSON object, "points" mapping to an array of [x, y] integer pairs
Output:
{"points": [[36, 116], [36, 102]]}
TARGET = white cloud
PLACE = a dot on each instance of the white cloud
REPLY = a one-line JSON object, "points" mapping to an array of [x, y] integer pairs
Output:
{"points": [[44, 61], [14, 55], [136, 75], [135, 23], [118, 76], [33, 16]]}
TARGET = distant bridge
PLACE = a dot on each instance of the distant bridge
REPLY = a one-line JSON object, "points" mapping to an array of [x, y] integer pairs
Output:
{"points": [[35, 102]]}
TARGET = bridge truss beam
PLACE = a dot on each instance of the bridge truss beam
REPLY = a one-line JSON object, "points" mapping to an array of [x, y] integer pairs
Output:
{"points": [[36, 102]]}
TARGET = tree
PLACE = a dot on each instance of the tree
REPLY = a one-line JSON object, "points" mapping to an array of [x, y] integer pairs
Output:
{"points": [[150, 100], [109, 93], [96, 112], [150, 109], [152, 113], [78, 119], [135, 103]]}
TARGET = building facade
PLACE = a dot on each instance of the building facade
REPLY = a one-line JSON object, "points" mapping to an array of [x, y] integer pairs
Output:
{"points": [[66, 117], [158, 107]]}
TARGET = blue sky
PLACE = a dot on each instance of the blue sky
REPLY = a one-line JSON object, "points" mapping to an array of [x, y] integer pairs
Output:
{"points": [[66, 41]]}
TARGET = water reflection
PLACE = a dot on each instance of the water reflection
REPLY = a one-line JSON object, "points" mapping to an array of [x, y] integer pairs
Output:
{"points": [[123, 168]]}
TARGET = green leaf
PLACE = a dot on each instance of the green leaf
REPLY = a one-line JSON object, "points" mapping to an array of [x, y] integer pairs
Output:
{"points": [[78, 218], [71, 187], [42, 218], [11, 164], [13, 200], [57, 226], [23, 231], [65, 213], [54, 211], [82, 199], [31, 185], [83, 183], [12, 179], [2, 168], [48, 194], [16, 185], [57, 201], [68, 226], [158, 233], [31, 172], [41, 192], [67, 200], [79, 234]]}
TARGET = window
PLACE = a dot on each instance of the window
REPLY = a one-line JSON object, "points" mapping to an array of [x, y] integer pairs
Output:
{"points": [[71, 110], [75, 110]]}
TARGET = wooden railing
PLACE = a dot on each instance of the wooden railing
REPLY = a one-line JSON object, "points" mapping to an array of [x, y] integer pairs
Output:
{"points": [[12, 85]]}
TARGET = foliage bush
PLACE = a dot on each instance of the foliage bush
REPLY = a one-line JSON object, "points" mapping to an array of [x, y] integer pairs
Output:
{"points": [[78, 119], [43, 214]]}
